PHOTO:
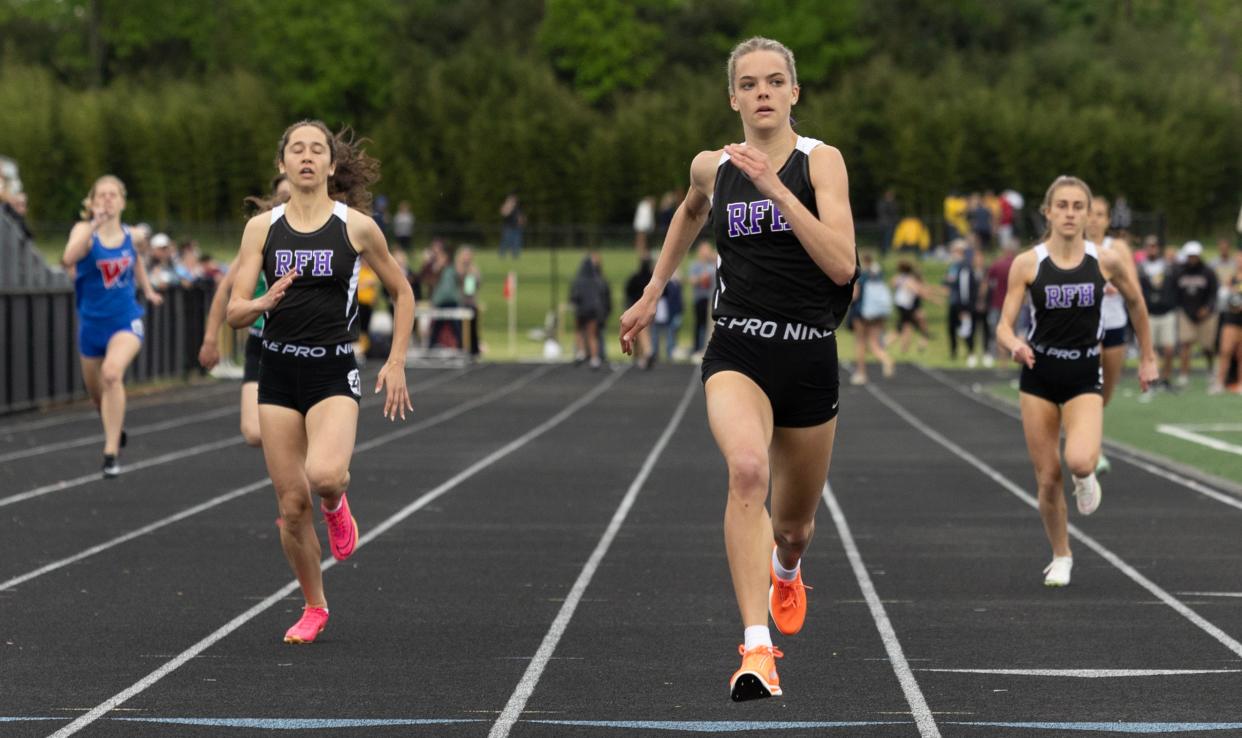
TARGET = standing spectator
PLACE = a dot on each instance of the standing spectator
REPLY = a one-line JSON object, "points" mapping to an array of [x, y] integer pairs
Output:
{"points": [[512, 225], [887, 213], [1158, 278], [470, 278], [15, 208], [980, 219], [447, 294], [702, 284], [587, 293], [1122, 217], [977, 306], [668, 316], [634, 287], [379, 212], [403, 225], [1231, 330], [367, 294], [664, 214], [955, 224], [1196, 299], [434, 259], [1016, 203], [997, 287], [644, 225], [957, 284], [163, 269]]}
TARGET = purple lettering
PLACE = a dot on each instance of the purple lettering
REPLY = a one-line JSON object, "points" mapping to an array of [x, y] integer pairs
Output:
{"points": [[301, 259], [323, 264], [1086, 298], [284, 259], [1052, 296], [758, 209], [736, 212], [778, 220]]}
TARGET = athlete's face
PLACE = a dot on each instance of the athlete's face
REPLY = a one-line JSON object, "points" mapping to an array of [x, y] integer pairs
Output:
{"points": [[1067, 212], [1097, 225], [307, 158], [107, 201], [763, 92]]}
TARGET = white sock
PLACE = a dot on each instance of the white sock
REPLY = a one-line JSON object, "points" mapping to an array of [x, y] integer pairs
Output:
{"points": [[1080, 481], [783, 574], [757, 635], [339, 502]]}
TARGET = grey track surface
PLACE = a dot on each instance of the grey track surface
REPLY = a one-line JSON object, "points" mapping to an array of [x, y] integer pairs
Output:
{"points": [[438, 618]]}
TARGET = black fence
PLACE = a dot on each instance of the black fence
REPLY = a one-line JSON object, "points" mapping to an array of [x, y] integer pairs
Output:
{"points": [[39, 337]]}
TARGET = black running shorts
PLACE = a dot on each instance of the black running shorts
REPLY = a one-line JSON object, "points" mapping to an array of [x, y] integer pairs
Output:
{"points": [[794, 365], [1060, 375], [254, 353], [299, 377]]}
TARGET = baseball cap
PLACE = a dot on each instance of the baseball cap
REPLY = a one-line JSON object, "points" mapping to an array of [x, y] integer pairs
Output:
{"points": [[1192, 248], [160, 240]]}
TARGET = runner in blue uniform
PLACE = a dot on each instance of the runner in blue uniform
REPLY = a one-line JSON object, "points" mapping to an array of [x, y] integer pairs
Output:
{"points": [[102, 255]]}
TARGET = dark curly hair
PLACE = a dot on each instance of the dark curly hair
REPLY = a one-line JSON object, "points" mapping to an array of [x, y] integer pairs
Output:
{"points": [[355, 171]]}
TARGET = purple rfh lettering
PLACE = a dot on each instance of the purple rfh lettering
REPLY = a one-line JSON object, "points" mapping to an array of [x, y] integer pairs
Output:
{"points": [[758, 209], [284, 259], [1060, 296], [778, 220], [323, 264]]}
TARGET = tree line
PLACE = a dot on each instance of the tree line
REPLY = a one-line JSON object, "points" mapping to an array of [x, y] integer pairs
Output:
{"points": [[584, 106]]}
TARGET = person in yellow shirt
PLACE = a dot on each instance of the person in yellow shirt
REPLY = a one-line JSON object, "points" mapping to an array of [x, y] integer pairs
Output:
{"points": [[368, 293]]}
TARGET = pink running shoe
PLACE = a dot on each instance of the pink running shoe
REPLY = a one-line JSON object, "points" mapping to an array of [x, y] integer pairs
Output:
{"points": [[342, 530], [308, 626]]}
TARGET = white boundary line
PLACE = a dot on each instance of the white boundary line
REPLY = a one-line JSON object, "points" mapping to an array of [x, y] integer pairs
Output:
{"points": [[923, 717], [175, 455], [137, 430], [534, 670], [260, 484], [1147, 466], [1178, 606], [1188, 435], [219, 634], [139, 403]]}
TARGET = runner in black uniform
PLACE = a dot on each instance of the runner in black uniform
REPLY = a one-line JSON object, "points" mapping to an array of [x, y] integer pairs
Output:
{"points": [[309, 250], [787, 263], [1061, 380]]}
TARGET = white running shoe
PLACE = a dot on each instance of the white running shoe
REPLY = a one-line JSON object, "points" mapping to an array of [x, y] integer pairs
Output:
{"points": [[1088, 493], [972, 361], [1057, 574]]}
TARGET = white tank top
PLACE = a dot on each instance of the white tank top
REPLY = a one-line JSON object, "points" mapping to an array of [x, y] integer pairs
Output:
{"points": [[1113, 306]]}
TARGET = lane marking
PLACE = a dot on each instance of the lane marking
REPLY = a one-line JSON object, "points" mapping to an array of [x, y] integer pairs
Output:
{"points": [[138, 430], [1117, 727], [1211, 594], [1088, 673], [909, 685], [137, 404], [261, 483], [534, 670], [1181, 432], [203, 448], [1147, 466], [223, 631], [1178, 606], [716, 726]]}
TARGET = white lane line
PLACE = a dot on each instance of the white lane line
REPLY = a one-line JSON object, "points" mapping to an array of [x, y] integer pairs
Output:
{"points": [[178, 661], [923, 717], [526, 686], [202, 448], [1088, 673], [261, 483], [1199, 438], [137, 404], [1211, 594], [137, 430], [1178, 606], [1147, 466]]}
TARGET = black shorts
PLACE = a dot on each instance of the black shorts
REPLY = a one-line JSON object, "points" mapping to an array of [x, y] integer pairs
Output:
{"points": [[1114, 337], [794, 365], [254, 352], [299, 377], [907, 315], [1060, 375]]}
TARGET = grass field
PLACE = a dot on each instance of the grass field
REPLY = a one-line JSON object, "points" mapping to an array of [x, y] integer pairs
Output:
{"points": [[1134, 423]]}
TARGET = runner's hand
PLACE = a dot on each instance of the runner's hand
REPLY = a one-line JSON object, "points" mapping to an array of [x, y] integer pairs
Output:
{"points": [[1024, 355], [392, 375], [1148, 372], [635, 321], [208, 354], [276, 292], [755, 165]]}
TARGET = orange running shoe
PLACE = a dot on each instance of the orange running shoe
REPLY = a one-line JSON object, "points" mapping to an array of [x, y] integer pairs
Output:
{"points": [[342, 530], [787, 602], [756, 678], [308, 626]]}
